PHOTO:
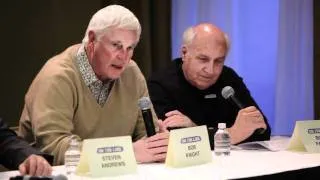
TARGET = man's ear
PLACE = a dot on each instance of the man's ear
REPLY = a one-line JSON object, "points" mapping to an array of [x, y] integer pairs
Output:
{"points": [[90, 44], [91, 37], [183, 52]]}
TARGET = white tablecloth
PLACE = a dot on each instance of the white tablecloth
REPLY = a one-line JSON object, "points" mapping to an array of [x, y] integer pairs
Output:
{"points": [[240, 163]]}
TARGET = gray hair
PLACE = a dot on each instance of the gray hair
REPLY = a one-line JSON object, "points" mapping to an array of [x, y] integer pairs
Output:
{"points": [[113, 16], [189, 34]]}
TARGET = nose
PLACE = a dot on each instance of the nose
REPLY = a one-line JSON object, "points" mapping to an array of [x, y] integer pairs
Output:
{"points": [[209, 68], [122, 54]]}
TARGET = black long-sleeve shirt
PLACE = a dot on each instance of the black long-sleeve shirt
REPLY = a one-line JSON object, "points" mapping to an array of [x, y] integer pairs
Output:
{"points": [[14, 150], [169, 90]]}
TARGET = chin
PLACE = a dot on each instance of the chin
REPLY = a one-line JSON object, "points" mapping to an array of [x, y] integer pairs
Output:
{"points": [[203, 86], [114, 76]]}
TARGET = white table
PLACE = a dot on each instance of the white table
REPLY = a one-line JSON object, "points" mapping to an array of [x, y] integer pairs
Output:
{"points": [[240, 164]]}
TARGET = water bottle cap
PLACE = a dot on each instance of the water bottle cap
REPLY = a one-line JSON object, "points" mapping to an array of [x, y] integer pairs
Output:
{"points": [[222, 125], [74, 142]]}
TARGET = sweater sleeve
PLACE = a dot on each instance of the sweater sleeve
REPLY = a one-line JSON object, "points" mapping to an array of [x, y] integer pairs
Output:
{"points": [[243, 93], [50, 103], [14, 150]]}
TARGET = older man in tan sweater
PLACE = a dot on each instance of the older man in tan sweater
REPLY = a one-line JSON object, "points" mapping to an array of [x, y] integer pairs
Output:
{"points": [[91, 90]]}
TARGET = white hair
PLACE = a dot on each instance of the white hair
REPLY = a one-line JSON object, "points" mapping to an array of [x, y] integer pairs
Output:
{"points": [[189, 34], [113, 16]]}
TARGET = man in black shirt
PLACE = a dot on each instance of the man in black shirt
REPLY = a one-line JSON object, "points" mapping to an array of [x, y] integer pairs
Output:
{"points": [[16, 153], [188, 93]]}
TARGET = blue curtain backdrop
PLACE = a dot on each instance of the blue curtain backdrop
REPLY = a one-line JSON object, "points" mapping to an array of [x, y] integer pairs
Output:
{"points": [[271, 48]]}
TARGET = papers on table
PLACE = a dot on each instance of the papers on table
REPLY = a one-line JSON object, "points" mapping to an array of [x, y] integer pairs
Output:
{"points": [[275, 144]]}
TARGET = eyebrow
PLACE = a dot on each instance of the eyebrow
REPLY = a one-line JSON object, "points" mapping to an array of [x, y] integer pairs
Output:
{"points": [[134, 45], [203, 55], [221, 57], [118, 41]]}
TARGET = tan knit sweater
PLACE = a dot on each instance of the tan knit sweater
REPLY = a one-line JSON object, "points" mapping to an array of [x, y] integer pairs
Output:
{"points": [[58, 105]]}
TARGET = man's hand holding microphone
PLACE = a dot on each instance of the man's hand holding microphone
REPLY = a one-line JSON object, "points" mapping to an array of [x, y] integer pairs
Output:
{"points": [[153, 147]]}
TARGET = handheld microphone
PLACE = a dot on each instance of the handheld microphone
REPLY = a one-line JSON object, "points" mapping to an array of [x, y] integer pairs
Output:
{"points": [[228, 93], [145, 106], [28, 177]]}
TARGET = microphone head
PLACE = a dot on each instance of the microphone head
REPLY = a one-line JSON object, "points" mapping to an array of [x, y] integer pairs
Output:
{"points": [[144, 103], [227, 92]]}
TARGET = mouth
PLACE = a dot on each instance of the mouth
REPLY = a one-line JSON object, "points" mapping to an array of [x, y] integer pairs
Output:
{"points": [[206, 78], [119, 67]]}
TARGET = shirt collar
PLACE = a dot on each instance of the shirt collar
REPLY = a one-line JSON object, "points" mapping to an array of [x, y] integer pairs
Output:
{"points": [[85, 68]]}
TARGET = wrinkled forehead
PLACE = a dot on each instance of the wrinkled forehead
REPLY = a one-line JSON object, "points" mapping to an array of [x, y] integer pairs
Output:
{"points": [[209, 45], [123, 36]]}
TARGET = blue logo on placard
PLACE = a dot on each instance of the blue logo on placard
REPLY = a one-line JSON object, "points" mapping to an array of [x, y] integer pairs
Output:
{"points": [[109, 149], [314, 131], [191, 139]]}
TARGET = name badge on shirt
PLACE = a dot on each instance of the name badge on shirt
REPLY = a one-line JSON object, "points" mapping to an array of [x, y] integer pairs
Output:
{"points": [[210, 96]]}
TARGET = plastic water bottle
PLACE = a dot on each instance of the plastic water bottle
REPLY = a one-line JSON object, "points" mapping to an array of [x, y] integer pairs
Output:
{"points": [[222, 143], [72, 156]]}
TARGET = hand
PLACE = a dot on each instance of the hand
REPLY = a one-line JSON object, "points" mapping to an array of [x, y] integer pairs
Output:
{"points": [[151, 149], [162, 127], [177, 119], [248, 120], [35, 165]]}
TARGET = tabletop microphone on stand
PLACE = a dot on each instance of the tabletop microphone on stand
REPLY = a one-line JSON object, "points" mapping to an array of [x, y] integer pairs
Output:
{"points": [[145, 106], [228, 93]]}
